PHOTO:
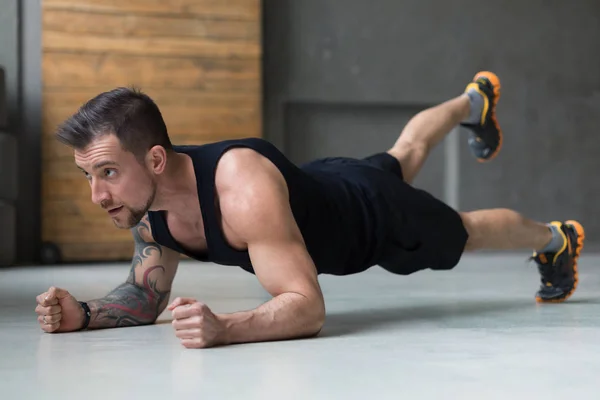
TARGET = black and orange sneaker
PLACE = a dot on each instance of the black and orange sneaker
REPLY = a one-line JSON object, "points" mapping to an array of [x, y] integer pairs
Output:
{"points": [[559, 273], [485, 136]]}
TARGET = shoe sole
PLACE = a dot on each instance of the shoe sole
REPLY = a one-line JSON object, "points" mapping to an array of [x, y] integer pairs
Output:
{"points": [[580, 240], [495, 81]]}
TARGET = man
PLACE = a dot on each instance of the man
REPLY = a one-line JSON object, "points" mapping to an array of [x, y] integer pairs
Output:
{"points": [[241, 202]]}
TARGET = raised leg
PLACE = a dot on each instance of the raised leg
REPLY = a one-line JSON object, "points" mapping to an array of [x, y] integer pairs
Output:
{"points": [[475, 110], [424, 131]]}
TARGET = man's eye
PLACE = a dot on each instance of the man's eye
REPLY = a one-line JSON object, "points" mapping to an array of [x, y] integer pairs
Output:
{"points": [[87, 176], [110, 172]]}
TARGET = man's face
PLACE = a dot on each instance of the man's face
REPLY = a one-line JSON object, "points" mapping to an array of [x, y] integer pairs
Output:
{"points": [[119, 183]]}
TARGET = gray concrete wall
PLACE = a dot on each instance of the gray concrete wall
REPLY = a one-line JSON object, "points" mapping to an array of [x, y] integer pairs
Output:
{"points": [[343, 71], [9, 46], [20, 55], [30, 133], [9, 59]]}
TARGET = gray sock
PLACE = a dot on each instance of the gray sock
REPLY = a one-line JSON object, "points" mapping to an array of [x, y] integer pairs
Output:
{"points": [[556, 243], [476, 101]]}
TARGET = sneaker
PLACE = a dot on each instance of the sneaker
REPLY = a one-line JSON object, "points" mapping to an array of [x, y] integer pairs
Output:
{"points": [[485, 137], [559, 274]]}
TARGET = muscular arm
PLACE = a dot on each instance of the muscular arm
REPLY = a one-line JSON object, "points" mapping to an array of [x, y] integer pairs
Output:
{"points": [[141, 299], [255, 205]]}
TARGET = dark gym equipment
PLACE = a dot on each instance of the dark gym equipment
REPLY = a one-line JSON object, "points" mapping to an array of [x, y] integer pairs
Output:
{"points": [[50, 253], [8, 168], [8, 196], [8, 184], [7, 233], [3, 108]]}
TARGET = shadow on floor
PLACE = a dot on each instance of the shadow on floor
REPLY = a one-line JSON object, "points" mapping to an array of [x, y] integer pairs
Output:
{"points": [[364, 320]]}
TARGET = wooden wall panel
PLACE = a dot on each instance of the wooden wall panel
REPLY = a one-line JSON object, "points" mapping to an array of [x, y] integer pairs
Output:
{"points": [[118, 25], [200, 60], [234, 9]]}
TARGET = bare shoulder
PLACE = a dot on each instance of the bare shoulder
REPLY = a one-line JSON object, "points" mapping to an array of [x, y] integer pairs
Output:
{"points": [[252, 191], [244, 170], [243, 162]]}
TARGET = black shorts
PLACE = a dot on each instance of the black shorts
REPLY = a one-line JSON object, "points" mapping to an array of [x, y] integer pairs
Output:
{"points": [[423, 232]]}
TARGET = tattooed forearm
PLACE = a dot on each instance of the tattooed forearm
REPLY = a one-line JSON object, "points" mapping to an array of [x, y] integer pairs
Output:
{"points": [[140, 299], [129, 304]]}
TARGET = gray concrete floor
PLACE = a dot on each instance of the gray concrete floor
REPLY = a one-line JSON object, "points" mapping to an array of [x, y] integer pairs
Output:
{"points": [[475, 332]]}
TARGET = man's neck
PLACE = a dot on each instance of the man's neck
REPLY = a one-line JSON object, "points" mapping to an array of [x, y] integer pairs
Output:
{"points": [[177, 189]]}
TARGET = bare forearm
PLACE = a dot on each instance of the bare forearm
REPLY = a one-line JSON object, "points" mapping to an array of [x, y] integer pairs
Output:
{"points": [[287, 316], [127, 305], [141, 299]]}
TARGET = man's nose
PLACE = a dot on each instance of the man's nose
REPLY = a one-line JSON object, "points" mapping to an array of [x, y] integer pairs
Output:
{"points": [[99, 192]]}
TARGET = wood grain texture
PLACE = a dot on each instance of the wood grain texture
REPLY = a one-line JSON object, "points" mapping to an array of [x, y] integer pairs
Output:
{"points": [[200, 60], [154, 46], [67, 188], [226, 9], [89, 230], [205, 117], [117, 250], [123, 25], [105, 71]]}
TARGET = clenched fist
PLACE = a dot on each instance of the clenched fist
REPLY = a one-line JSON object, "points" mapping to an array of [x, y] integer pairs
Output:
{"points": [[196, 325], [58, 311]]}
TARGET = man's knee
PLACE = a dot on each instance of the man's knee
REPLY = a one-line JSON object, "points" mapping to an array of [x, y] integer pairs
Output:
{"points": [[409, 147], [411, 155]]}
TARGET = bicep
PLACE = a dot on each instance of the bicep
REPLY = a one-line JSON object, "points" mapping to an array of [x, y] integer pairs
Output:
{"points": [[153, 266]]}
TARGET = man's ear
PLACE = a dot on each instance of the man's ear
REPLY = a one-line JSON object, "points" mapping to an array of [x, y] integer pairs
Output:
{"points": [[156, 159]]}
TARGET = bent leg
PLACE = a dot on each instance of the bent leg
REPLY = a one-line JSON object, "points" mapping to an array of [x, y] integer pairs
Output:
{"points": [[424, 131], [503, 229], [475, 109]]}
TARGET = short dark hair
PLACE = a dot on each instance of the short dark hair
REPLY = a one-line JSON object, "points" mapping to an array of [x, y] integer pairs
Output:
{"points": [[125, 112]]}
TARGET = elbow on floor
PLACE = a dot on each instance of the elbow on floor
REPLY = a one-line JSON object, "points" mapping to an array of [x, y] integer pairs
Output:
{"points": [[317, 322]]}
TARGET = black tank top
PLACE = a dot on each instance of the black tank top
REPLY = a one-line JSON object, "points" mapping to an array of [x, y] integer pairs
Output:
{"points": [[331, 208]]}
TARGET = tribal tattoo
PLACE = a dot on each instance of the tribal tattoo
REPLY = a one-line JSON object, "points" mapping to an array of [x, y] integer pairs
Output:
{"points": [[143, 249], [139, 300]]}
